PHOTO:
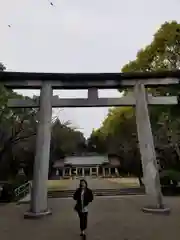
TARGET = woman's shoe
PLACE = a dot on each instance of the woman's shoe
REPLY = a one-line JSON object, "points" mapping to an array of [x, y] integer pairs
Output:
{"points": [[82, 234]]}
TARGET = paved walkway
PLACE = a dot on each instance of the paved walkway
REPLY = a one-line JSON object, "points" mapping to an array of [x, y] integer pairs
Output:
{"points": [[109, 218]]}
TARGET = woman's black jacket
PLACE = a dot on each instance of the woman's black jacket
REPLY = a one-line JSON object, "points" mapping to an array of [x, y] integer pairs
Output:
{"points": [[88, 197]]}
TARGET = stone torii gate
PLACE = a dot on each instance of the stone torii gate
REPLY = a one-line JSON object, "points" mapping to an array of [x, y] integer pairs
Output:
{"points": [[46, 82]]}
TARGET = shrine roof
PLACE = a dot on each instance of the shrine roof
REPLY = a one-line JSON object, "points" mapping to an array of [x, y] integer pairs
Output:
{"points": [[86, 160]]}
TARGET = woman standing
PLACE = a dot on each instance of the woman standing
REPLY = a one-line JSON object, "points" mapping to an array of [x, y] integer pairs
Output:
{"points": [[83, 196]]}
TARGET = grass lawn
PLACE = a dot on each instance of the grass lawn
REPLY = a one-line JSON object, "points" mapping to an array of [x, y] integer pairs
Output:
{"points": [[58, 184], [125, 182], [65, 184]]}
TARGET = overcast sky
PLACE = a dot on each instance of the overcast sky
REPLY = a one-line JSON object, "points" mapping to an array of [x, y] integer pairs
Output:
{"points": [[79, 36]]}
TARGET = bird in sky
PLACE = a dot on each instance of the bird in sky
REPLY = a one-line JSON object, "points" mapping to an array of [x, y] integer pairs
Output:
{"points": [[9, 26], [51, 3]]}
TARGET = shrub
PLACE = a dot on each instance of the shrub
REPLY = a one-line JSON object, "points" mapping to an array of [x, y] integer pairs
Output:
{"points": [[170, 177]]}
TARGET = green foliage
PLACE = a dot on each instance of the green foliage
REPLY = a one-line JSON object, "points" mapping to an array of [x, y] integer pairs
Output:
{"points": [[2, 67], [118, 131], [66, 140], [169, 177], [18, 137], [162, 53], [172, 174], [17, 127]]}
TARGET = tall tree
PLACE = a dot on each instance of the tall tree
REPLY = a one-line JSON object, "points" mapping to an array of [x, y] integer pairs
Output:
{"points": [[162, 54], [118, 129]]}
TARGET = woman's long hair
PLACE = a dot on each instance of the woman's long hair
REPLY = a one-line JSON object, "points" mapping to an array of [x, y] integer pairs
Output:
{"points": [[81, 181]]}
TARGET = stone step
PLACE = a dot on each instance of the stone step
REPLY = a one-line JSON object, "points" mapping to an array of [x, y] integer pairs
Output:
{"points": [[99, 192], [103, 189], [96, 192]]}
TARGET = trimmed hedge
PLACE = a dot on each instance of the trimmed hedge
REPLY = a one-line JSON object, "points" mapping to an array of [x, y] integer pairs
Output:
{"points": [[169, 177]]}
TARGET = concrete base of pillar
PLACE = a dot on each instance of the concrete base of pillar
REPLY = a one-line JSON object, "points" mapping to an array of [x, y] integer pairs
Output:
{"points": [[32, 215], [156, 210]]}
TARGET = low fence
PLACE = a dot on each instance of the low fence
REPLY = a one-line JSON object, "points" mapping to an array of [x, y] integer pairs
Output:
{"points": [[21, 191]]}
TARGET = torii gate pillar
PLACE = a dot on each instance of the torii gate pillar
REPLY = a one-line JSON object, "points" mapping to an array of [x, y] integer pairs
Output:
{"points": [[147, 151], [38, 205]]}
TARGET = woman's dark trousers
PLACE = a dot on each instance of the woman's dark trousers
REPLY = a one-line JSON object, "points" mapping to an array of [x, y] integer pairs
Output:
{"points": [[83, 220]]}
